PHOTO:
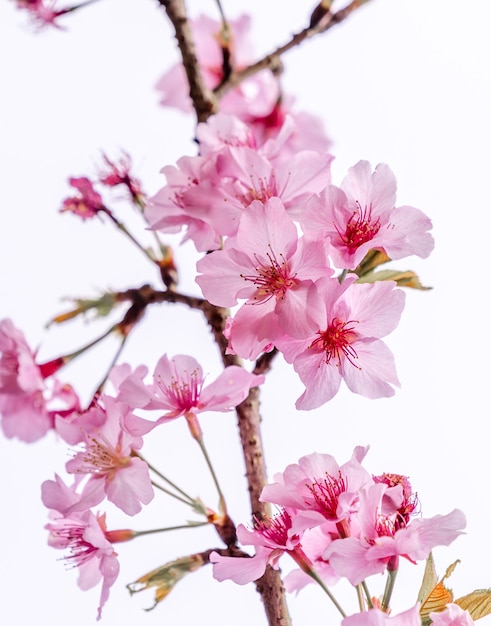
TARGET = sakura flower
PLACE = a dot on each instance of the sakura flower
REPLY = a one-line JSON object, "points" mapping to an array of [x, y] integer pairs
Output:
{"points": [[274, 271], [272, 537], [381, 540], [453, 615], [346, 345], [319, 489], [84, 535], [87, 203], [376, 617], [28, 404], [314, 544], [361, 216], [246, 174], [175, 207], [256, 95], [179, 389], [108, 459], [119, 173]]}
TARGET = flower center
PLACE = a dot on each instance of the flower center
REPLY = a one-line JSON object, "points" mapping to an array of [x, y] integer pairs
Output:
{"points": [[326, 494], [273, 279], [360, 228], [101, 458], [183, 392], [336, 341], [275, 529]]}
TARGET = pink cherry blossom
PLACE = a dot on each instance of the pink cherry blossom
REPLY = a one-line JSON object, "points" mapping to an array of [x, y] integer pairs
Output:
{"points": [[174, 206], [361, 215], [274, 271], [346, 345], [256, 96], [376, 617], [314, 544], [86, 203], [246, 175], [453, 615], [179, 388], [83, 534], [272, 537], [382, 540], [107, 458], [28, 402], [319, 489], [119, 173]]}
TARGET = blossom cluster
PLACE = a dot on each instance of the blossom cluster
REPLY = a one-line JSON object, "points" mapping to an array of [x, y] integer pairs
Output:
{"points": [[338, 521], [293, 255], [284, 244]]}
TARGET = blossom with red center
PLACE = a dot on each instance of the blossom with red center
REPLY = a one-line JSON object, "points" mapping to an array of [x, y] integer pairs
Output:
{"points": [[272, 538], [274, 271], [381, 540], [178, 388], [30, 397], [87, 203], [346, 345], [107, 458], [319, 489], [74, 527], [361, 216]]}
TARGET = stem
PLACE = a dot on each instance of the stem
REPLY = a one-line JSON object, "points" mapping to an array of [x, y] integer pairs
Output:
{"points": [[389, 587], [272, 60], [313, 574], [361, 599], [169, 493], [367, 595], [138, 533], [222, 504], [189, 500]]}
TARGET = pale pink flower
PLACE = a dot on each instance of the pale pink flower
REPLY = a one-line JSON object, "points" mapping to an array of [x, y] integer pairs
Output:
{"points": [[376, 617], [244, 175], [107, 458], [28, 404], [272, 538], [346, 345], [314, 544], [361, 216], [256, 96], [273, 270], [382, 540], [175, 207], [319, 489], [179, 389], [453, 615], [83, 534], [86, 203]]}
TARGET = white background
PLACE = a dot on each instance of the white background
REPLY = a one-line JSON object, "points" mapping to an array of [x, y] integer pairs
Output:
{"points": [[404, 82]]}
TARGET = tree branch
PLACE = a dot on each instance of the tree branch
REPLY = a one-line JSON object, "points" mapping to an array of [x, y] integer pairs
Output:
{"points": [[272, 60], [204, 101]]}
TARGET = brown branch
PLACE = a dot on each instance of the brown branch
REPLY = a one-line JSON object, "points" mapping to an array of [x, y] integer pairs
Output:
{"points": [[204, 101], [272, 60]]}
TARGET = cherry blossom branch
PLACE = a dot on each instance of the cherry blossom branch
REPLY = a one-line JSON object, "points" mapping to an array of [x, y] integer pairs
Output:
{"points": [[204, 101], [272, 61]]}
